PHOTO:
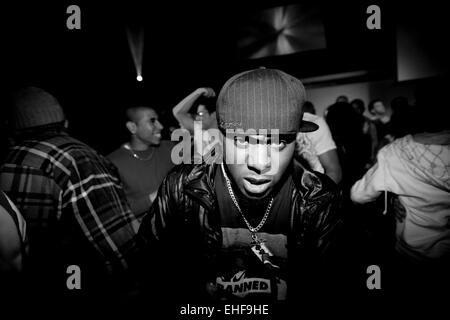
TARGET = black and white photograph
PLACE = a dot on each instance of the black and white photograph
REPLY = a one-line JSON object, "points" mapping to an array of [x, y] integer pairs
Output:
{"points": [[282, 159]]}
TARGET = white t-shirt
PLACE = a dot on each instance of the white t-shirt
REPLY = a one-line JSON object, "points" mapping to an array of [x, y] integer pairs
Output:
{"points": [[310, 145]]}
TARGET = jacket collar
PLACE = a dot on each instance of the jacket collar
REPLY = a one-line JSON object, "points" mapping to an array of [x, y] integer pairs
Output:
{"points": [[200, 184], [303, 178]]}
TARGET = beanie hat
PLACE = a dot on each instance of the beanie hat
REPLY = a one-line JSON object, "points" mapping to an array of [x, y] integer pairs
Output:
{"points": [[33, 107], [263, 99]]}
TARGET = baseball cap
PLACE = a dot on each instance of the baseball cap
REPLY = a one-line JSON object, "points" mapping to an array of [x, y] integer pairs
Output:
{"points": [[263, 99]]}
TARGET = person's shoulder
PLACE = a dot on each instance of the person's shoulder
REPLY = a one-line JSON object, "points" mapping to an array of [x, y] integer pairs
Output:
{"points": [[67, 143], [311, 117], [43, 152], [328, 189], [314, 184], [59, 143], [189, 172], [183, 175], [70, 147], [395, 146], [320, 121], [165, 152], [78, 154], [166, 145], [117, 155]]}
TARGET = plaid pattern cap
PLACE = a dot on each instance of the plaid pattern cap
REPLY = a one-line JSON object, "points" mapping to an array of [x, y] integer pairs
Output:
{"points": [[263, 99]]}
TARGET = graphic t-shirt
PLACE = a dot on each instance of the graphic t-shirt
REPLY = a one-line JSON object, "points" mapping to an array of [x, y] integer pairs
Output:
{"points": [[243, 271]]}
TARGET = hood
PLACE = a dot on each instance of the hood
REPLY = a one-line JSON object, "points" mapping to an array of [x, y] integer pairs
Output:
{"points": [[428, 162]]}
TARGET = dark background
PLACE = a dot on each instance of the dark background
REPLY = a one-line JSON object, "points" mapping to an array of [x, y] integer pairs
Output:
{"points": [[187, 45]]}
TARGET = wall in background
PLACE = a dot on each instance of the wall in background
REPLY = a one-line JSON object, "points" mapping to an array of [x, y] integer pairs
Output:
{"points": [[323, 97]]}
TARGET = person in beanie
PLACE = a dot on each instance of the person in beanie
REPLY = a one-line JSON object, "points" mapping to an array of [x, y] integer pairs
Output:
{"points": [[72, 200], [255, 225]]}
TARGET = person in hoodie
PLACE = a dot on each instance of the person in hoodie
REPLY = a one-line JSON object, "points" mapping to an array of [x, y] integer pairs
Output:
{"points": [[417, 169]]}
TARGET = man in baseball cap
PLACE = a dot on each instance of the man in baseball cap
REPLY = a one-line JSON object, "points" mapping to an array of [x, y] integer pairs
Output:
{"points": [[240, 223]]}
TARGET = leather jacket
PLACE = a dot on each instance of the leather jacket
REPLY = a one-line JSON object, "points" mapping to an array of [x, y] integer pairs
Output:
{"points": [[185, 222]]}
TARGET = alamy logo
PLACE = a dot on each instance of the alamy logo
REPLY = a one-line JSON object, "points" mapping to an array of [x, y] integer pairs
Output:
{"points": [[74, 20], [74, 279], [374, 20], [210, 146], [374, 280]]}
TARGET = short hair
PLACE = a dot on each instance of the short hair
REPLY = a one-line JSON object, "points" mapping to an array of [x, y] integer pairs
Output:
{"points": [[309, 107], [208, 102], [132, 112], [372, 103], [360, 107], [342, 98]]}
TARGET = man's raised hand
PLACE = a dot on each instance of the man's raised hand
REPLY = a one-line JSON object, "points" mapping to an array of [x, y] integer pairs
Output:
{"points": [[207, 92]]}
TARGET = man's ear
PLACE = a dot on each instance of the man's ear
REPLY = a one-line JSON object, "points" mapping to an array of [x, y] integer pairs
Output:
{"points": [[131, 126]]}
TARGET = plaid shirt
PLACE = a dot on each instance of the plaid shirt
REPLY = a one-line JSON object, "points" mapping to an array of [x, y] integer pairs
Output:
{"points": [[59, 178]]}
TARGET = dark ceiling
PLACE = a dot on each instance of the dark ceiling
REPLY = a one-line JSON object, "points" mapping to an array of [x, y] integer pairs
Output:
{"points": [[186, 45]]}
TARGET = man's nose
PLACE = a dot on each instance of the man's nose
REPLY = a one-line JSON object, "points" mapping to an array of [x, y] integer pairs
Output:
{"points": [[159, 125], [258, 158]]}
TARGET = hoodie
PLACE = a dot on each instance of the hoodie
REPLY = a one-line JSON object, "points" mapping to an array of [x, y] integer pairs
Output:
{"points": [[419, 173]]}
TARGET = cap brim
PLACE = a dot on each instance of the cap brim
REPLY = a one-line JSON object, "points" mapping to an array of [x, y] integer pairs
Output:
{"points": [[307, 126]]}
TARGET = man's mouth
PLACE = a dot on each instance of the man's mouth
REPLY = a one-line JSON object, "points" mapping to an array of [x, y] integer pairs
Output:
{"points": [[158, 135], [257, 181], [256, 188]]}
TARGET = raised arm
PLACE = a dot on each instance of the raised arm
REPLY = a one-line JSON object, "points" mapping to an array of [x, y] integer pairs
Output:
{"points": [[181, 110]]}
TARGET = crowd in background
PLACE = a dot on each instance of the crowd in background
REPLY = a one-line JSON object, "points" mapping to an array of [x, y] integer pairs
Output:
{"points": [[108, 196]]}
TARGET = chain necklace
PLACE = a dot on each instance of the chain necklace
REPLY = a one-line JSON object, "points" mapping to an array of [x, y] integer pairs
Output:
{"points": [[134, 154], [253, 230]]}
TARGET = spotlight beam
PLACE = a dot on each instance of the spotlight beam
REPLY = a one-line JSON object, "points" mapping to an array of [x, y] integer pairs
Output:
{"points": [[136, 44]]}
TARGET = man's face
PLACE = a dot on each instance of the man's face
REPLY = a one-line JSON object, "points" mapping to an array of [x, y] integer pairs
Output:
{"points": [[205, 117], [358, 108], [342, 99], [378, 108], [148, 128], [256, 163]]}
